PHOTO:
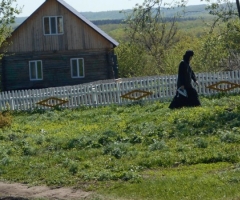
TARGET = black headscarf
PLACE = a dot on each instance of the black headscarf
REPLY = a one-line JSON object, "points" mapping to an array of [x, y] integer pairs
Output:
{"points": [[187, 55]]}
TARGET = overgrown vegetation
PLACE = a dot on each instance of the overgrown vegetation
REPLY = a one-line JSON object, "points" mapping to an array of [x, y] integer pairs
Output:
{"points": [[139, 151], [161, 42], [5, 119]]}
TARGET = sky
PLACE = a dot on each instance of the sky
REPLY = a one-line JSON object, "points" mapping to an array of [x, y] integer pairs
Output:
{"points": [[29, 6]]}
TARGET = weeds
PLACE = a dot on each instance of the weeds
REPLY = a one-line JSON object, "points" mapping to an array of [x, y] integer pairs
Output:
{"points": [[111, 145], [5, 119]]}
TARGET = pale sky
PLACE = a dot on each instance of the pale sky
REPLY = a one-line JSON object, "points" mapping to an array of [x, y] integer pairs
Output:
{"points": [[29, 6]]}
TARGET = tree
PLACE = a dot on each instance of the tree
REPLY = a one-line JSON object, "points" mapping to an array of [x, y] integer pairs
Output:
{"points": [[152, 31], [238, 7], [7, 18], [226, 29]]}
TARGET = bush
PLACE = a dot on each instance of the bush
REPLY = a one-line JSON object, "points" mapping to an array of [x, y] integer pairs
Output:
{"points": [[230, 137], [158, 145], [200, 143], [5, 119]]}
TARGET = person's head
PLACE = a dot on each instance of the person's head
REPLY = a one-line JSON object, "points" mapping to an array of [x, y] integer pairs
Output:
{"points": [[188, 55]]}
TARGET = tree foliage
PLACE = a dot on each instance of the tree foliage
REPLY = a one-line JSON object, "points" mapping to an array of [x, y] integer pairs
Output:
{"points": [[225, 31], [131, 60], [7, 17], [149, 29]]}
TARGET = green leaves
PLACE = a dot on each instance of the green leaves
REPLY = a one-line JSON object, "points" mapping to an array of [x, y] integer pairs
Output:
{"points": [[7, 18], [149, 28]]}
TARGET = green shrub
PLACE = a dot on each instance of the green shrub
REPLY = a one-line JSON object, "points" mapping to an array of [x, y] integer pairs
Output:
{"points": [[5, 161], [200, 143], [29, 150], [230, 137], [158, 145], [135, 139], [73, 169], [79, 143], [116, 149]]}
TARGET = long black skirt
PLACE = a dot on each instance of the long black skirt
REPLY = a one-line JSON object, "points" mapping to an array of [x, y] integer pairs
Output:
{"points": [[180, 101]]}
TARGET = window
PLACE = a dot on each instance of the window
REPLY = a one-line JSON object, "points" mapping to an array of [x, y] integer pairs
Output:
{"points": [[53, 25], [35, 70], [77, 68]]}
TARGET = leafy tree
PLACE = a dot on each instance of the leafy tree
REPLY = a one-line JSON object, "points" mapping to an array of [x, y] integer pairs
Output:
{"points": [[131, 59], [230, 37], [174, 55], [222, 10], [226, 29], [153, 32], [7, 17]]}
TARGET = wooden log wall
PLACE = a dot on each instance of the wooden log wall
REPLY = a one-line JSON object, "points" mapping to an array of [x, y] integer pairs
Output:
{"points": [[56, 68], [77, 34]]}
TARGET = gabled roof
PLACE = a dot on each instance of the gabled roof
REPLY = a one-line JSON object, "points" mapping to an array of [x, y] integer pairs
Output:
{"points": [[81, 17]]}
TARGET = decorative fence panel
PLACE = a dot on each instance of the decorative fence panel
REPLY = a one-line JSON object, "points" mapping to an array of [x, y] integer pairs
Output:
{"points": [[120, 91]]}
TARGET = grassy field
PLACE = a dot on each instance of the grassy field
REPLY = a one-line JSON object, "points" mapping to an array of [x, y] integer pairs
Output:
{"points": [[143, 151]]}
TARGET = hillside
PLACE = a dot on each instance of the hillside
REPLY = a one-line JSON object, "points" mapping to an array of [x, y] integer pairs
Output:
{"points": [[191, 11]]}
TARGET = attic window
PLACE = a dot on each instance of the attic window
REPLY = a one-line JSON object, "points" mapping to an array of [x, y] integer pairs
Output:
{"points": [[53, 25]]}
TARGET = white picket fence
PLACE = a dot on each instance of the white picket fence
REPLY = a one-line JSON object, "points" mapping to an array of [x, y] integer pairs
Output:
{"points": [[156, 88]]}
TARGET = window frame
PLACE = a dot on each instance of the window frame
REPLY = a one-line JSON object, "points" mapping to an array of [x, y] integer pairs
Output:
{"points": [[36, 70], [78, 71], [50, 25]]}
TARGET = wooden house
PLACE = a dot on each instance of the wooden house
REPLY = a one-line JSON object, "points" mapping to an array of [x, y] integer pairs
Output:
{"points": [[57, 46]]}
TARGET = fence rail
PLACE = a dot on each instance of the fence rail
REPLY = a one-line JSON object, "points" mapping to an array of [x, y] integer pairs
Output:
{"points": [[111, 91]]}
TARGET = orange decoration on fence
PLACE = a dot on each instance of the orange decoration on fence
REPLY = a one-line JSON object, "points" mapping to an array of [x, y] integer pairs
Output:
{"points": [[139, 93], [215, 86], [52, 102]]}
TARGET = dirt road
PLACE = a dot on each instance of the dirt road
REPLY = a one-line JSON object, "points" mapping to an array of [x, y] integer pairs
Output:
{"points": [[18, 191]]}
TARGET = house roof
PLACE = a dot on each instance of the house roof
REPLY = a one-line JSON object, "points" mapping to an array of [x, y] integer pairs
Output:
{"points": [[81, 17]]}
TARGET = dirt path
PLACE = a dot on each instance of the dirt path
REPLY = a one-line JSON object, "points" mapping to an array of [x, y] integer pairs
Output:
{"points": [[17, 191]]}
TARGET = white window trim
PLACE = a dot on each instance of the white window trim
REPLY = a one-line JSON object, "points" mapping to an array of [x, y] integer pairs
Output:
{"points": [[77, 68], [36, 72], [51, 27]]}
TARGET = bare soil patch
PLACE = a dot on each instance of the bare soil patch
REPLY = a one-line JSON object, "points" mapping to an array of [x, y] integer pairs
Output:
{"points": [[16, 191]]}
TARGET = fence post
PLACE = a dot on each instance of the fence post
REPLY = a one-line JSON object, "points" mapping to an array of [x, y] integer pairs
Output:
{"points": [[12, 103], [118, 82], [94, 96]]}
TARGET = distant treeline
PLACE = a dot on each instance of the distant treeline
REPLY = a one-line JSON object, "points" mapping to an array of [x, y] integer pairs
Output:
{"points": [[108, 21], [121, 21], [116, 17]]}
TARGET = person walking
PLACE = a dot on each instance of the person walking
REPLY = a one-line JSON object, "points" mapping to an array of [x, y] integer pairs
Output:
{"points": [[186, 94]]}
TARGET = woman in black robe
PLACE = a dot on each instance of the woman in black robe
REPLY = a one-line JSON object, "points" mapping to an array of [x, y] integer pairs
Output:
{"points": [[184, 83]]}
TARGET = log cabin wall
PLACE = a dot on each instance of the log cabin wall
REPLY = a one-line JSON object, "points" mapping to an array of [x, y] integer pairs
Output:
{"points": [[77, 34], [56, 69], [80, 39]]}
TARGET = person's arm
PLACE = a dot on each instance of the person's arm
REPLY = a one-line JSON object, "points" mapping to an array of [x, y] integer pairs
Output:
{"points": [[181, 74], [194, 78]]}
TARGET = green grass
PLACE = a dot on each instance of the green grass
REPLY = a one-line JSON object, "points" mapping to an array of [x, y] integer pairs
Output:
{"points": [[139, 151]]}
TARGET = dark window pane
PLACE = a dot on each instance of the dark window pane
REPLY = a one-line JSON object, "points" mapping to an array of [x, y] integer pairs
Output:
{"points": [[32, 70], [81, 70], [46, 25], [39, 69], [74, 68], [53, 25]]}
